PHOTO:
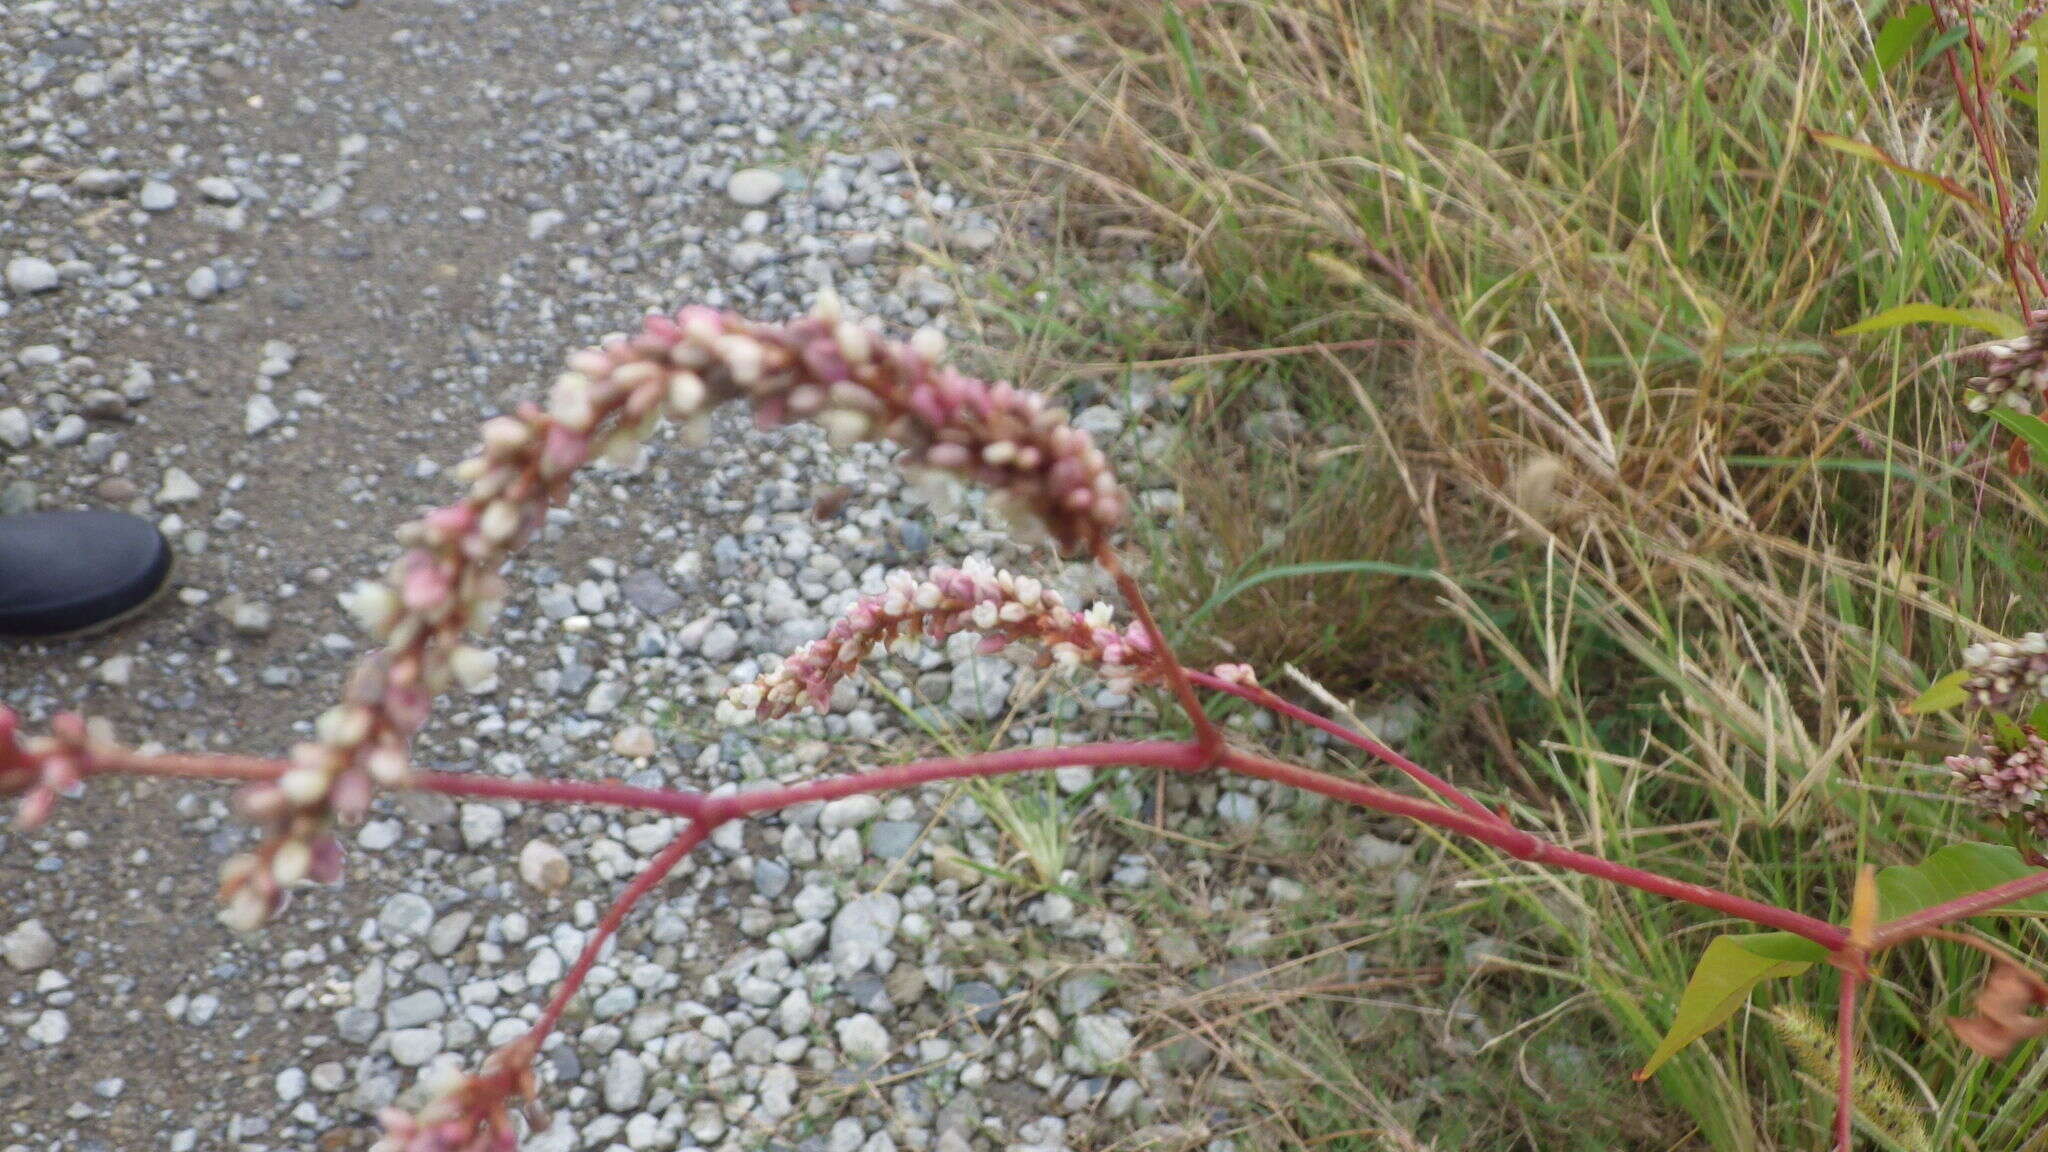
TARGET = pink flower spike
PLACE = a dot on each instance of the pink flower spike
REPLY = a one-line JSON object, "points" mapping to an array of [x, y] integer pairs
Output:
{"points": [[451, 521], [330, 861], [426, 586], [565, 451]]}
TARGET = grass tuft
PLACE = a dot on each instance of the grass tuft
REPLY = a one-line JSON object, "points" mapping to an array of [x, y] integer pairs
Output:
{"points": [[1500, 338]]}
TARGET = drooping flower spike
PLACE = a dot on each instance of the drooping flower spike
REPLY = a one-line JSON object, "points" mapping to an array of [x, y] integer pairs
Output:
{"points": [[827, 367], [468, 1113], [2015, 371], [2003, 672], [1004, 609], [2004, 783]]}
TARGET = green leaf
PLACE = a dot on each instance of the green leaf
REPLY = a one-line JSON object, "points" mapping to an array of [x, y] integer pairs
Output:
{"points": [[1871, 152], [1733, 966], [2010, 735], [2026, 426], [1984, 319], [1956, 870], [1942, 43], [1942, 695], [1896, 38], [1727, 973], [2037, 38]]}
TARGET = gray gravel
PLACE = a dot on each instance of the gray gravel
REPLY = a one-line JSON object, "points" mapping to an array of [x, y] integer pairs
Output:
{"points": [[266, 267]]}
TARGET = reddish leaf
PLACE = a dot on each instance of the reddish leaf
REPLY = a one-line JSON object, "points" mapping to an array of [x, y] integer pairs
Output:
{"points": [[1876, 155], [2002, 1023]]}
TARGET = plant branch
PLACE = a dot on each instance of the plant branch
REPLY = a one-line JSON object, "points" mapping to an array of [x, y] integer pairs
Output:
{"points": [[1961, 908], [1152, 754], [1534, 849], [1845, 1059], [1206, 732], [1487, 828], [656, 870]]}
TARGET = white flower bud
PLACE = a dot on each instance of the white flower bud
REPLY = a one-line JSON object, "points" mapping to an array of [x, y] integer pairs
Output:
{"points": [[291, 862], [387, 766], [844, 427], [304, 787], [636, 375], [685, 394], [743, 359], [373, 605], [985, 616], [827, 307], [929, 343], [444, 1077], [570, 403], [701, 329], [854, 343], [504, 435], [473, 667], [500, 521], [927, 597], [245, 911], [343, 726]]}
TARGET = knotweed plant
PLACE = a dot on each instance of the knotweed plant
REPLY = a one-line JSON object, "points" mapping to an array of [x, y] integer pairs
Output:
{"points": [[429, 612]]}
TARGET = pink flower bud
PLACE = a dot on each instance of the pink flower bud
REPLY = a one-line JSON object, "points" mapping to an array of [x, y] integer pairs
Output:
{"points": [[565, 452], [505, 435]]}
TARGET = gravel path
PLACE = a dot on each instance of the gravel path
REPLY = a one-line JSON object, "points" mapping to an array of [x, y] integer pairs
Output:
{"points": [[265, 267]]}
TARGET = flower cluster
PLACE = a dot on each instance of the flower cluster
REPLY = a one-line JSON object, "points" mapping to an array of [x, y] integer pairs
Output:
{"points": [[44, 769], [468, 1113], [2004, 671], [1001, 607], [2015, 371], [2004, 783], [826, 367]]}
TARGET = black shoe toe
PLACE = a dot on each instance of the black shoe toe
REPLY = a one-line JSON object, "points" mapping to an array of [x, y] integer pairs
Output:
{"points": [[64, 572]]}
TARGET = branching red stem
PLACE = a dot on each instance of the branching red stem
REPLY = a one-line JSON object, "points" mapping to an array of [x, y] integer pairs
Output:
{"points": [[1150, 754], [1206, 732], [1845, 1059], [1485, 827], [656, 870], [1534, 849], [1961, 908]]}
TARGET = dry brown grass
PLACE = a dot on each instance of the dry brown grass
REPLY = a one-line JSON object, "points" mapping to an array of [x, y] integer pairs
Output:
{"points": [[1549, 289]]}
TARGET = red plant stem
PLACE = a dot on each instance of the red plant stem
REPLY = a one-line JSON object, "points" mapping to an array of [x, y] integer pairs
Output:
{"points": [[190, 766], [1206, 732], [1961, 908], [1845, 1059], [1970, 97], [1153, 754], [600, 792], [1374, 748], [1487, 828], [656, 870], [1534, 849]]}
